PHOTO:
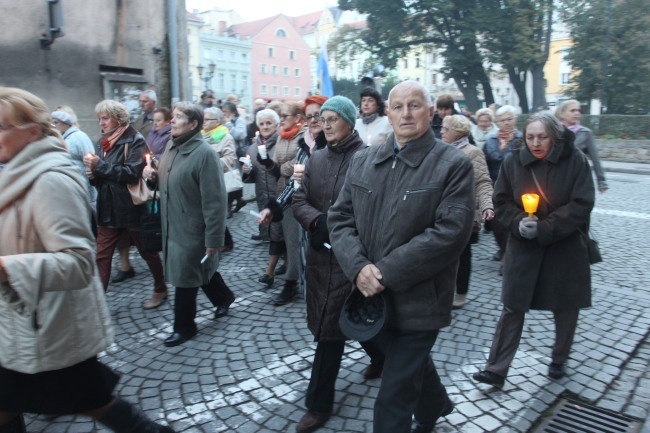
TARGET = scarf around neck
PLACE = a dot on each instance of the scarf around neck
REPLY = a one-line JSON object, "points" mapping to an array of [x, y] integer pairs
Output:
{"points": [[288, 134], [310, 140], [182, 139], [574, 128], [461, 142], [218, 133], [369, 119], [110, 138]]}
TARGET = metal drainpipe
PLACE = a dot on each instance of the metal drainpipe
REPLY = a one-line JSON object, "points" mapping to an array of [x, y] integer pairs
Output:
{"points": [[173, 50]]}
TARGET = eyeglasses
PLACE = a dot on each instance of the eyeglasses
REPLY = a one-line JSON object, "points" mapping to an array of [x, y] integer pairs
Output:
{"points": [[206, 119], [328, 121], [314, 117], [284, 116], [506, 120]]}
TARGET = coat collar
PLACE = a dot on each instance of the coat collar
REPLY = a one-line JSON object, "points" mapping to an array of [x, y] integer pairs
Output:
{"points": [[414, 153], [189, 146]]}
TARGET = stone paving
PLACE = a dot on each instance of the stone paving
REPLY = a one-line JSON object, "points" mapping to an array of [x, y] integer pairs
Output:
{"points": [[248, 372]]}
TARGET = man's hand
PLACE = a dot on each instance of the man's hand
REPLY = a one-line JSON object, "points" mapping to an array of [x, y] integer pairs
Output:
{"points": [[367, 280], [265, 217]]}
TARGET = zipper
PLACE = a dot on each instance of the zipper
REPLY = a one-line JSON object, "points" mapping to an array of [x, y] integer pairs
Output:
{"points": [[414, 191]]}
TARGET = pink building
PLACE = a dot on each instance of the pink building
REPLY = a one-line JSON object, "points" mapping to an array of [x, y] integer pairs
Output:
{"points": [[280, 66]]}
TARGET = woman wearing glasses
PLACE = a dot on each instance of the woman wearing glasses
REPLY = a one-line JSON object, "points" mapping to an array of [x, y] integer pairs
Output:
{"points": [[497, 147], [281, 165]]}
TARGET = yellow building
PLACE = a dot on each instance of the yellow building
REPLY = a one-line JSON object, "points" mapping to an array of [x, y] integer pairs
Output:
{"points": [[558, 71]]}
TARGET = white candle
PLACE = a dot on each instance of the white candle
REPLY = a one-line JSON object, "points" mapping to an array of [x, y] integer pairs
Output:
{"points": [[205, 257], [326, 245], [369, 137], [147, 157]]}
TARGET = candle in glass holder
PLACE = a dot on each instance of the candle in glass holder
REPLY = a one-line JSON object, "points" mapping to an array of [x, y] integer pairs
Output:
{"points": [[530, 202]]}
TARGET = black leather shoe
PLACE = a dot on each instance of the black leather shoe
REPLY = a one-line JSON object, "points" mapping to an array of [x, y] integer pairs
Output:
{"points": [[222, 310], [266, 279], [281, 270], [311, 421], [489, 378], [556, 371], [240, 204], [179, 338], [123, 275], [427, 427], [256, 237], [497, 256], [287, 294], [373, 371]]}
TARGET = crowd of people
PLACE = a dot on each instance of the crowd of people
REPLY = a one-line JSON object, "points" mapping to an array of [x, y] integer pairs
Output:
{"points": [[381, 197]]}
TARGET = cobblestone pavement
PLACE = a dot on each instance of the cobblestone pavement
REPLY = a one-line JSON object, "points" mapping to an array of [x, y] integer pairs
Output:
{"points": [[248, 372]]}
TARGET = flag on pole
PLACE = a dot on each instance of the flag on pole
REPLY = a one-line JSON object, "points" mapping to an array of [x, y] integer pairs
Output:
{"points": [[326, 88]]}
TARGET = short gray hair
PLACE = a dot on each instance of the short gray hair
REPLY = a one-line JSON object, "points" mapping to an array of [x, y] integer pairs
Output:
{"points": [[192, 110], [508, 109], [267, 112], [116, 110], [417, 85], [551, 124], [151, 94], [559, 111], [215, 112]]}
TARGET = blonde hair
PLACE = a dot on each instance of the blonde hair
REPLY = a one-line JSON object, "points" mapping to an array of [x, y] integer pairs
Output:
{"points": [[24, 110], [114, 109], [485, 112], [564, 106], [458, 123]]}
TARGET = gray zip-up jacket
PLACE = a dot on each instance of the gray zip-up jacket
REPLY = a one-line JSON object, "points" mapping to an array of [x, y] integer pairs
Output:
{"points": [[411, 215]]}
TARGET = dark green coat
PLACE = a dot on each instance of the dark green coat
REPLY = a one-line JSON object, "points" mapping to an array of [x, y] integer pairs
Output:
{"points": [[193, 210], [552, 271]]}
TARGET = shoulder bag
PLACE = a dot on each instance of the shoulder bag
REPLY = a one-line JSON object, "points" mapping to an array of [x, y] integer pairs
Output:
{"points": [[233, 179], [139, 191], [151, 226]]}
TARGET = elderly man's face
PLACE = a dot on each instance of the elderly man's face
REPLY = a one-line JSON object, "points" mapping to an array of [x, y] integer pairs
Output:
{"points": [[147, 105], [409, 113]]}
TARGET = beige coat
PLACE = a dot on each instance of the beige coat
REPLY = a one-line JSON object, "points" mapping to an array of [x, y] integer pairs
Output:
{"points": [[482, 183], [53, 312]]}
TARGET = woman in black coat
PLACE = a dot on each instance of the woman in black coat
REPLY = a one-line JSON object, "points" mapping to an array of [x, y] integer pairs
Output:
{"points": [[547, 263]]}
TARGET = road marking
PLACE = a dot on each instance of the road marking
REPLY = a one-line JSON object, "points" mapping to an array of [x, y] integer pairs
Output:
{"points": [[623, 213]]}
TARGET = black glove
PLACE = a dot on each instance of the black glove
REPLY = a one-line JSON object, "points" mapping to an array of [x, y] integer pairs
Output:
{"points": [[266, 162], [319, 234]]}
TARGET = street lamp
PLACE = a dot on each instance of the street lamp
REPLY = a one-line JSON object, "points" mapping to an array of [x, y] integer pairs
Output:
{"points": [[207, 77]]}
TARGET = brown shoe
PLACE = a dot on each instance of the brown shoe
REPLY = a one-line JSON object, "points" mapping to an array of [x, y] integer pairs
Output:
{"points": [[373, 371], [157, 299], [312, 421]]}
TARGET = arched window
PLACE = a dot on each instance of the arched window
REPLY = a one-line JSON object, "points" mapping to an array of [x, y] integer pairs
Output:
{"points": [[280, 33]]}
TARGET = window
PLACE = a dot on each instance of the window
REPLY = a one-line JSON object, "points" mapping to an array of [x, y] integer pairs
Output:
{"points": [[296, 92], [263, 89], [565, 78], [206, 53], [285, 71], [296, 72], [221, 82], [292, 55], [219, 54], [417, 62], [274, 89], [285, 91], [274, 70], [280, 33], [263, 68], [271, 52], [433, 78], [233, 83], [406, 63], [244, 82], [233, 56], [244, 57]]}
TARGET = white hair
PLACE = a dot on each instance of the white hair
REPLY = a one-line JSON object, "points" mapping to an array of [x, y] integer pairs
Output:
{"points": [[508, 109], [215, 111], [417, 85], [267, 112], [151, 94]]}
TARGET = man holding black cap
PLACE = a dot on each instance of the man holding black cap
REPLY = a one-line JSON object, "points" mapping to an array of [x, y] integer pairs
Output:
{"points": [[400, 222]]}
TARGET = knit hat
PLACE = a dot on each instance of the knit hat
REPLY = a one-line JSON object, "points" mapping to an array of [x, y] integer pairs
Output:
{"points": [[342, 106], [63, 117]]}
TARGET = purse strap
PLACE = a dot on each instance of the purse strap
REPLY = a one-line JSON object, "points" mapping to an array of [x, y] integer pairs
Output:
{"points": [[541, 192]]}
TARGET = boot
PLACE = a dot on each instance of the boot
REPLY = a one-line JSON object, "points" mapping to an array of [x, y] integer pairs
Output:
{"points": [[123, 417], [16, 425], [157, 299], [287, 294]]}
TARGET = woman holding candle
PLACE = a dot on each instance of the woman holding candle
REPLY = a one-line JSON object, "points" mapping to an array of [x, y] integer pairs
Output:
{"points": [[547, 263], [118, 162], [372, 126], [456, 130], [265, 182], [281, 165], [193, 212], [53, 312], [569, 114], [496, 148]]}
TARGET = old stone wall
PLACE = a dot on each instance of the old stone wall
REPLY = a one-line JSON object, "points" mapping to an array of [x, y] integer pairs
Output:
{"points": [[624, 150]]}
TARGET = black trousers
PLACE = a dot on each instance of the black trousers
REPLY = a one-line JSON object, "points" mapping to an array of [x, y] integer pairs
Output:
{"points": [[410, 384], [217, 292]]}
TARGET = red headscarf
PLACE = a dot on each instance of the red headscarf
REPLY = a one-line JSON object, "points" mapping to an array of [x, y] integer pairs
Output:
{"points": [[315, 99]]}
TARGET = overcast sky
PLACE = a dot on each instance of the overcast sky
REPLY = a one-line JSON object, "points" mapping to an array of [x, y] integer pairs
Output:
{"points": [[251, 10]]}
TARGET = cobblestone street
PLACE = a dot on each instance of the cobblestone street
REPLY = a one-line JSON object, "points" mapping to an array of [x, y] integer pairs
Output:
{"points": [[248, 372]]}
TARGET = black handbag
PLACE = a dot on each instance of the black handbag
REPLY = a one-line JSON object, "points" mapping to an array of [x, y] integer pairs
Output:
{"points": [[151, 227]]}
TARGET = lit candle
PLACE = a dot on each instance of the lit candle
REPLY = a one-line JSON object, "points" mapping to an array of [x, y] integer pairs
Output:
{"points": [[369, 137], [530, 202], [147, 157]]}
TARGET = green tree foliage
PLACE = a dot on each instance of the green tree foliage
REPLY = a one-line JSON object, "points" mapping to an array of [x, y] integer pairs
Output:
{"points": [[611, 53]]}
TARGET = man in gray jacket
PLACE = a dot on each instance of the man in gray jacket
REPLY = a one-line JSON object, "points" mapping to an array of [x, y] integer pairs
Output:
{"points": [[398, 226]]}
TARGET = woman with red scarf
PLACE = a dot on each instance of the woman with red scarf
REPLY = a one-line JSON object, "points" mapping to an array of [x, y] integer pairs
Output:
{"points": [[496, 148], [281, 165], [119, 162]]}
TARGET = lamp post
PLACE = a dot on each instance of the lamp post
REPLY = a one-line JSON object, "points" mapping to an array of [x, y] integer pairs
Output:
{"points": [[208, 76]]}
